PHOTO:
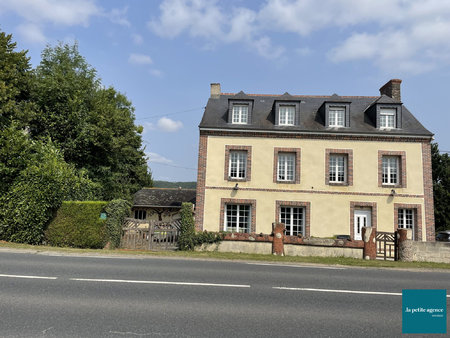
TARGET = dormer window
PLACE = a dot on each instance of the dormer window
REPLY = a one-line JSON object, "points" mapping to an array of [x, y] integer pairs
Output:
{"points": [[336, 116], [240, 111], [286, 115], [387, 118], [240, 114]]}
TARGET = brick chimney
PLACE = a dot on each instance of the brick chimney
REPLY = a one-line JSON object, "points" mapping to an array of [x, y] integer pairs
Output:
{"points": [[392, 89], [215, 90]]}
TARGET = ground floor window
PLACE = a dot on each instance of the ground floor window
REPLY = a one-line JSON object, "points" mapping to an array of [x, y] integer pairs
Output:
{"points": [[140, 214], [237, 218], [293, 219], [406, 220]]}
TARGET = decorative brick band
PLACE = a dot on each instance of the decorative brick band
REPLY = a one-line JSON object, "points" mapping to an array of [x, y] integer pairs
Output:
{"points": [[349, 153], [267, 134], [402, 163], [297, 153], [248, 170], [417, 218], [225, 201], [201, 180], [349, 193], [355, 205], [428, 191], [306, 205]]}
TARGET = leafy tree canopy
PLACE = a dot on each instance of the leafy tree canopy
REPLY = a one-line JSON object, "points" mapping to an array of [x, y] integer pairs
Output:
{"points": [[441, 188]]}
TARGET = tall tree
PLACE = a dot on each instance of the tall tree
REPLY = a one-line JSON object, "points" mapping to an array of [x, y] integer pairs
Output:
{"points": [[15, 82], [93, 126], [441, 188]]}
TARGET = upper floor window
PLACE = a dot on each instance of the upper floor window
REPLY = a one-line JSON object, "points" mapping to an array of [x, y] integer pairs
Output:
{"points": [[338, 168], [390, 168], [336, 117], [286, 116], [240, 114], [238, 164], [388, 118], [286, 167]]}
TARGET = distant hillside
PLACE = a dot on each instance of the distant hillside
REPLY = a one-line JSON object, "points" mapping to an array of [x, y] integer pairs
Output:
{"points": [[166, 184]]}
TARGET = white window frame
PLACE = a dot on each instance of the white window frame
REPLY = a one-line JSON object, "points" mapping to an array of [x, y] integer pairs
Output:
{"points": [[289, 221], [243, 216], [286, 167], [336, 116], [388, 118], [237, 161], [390, 167], [286, 115], [338, 169], [406, 219], [240, 114]]}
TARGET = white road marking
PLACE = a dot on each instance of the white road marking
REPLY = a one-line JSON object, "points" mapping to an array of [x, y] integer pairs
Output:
{"points": [[342, 291], [29, 277], [158, 282], [299, 266]]}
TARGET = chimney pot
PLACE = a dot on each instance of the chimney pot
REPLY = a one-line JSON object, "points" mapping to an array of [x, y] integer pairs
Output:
{"points": [[392, 89], [215, 90]]}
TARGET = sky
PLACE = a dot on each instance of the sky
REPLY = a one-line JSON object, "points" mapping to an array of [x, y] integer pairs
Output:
{"points": [[163, 55]]}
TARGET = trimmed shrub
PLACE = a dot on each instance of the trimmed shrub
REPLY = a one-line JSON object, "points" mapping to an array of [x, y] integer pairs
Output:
{"points": [[186, 240], [78, 224], [116, 210]]}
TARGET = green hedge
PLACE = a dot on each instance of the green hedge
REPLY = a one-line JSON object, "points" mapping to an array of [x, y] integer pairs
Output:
{"points": [[116, 210], [78, 224]]}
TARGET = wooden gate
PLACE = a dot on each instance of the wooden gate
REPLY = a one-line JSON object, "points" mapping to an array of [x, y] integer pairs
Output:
{"points": [[387, 246], [150, 235]]}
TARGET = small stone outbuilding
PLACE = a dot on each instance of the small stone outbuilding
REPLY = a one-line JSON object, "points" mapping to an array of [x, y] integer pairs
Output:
{"points": [[161, 204]]}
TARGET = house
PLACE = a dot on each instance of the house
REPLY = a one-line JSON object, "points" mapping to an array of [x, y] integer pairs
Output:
{"points": [[160, 204], [322, 165]]}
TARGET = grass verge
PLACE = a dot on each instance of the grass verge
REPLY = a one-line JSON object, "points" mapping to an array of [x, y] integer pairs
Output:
{"points": [[234, 256]]}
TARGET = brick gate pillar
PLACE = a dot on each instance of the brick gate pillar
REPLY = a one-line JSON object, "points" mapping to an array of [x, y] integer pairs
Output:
{"points": [[370, 247], [278, 239]]}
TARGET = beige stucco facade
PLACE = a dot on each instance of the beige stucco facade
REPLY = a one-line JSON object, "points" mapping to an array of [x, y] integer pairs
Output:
{"points": [[330, 211]]}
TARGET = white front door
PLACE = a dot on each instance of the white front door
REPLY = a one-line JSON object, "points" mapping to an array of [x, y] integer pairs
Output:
{"points": [[362, 219]]}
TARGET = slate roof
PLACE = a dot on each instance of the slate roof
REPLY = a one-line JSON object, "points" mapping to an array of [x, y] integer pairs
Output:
{"points": [[163, 197], [311, 119]]}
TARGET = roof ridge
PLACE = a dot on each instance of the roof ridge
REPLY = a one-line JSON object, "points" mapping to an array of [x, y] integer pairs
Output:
{"points": [[313, 96]]}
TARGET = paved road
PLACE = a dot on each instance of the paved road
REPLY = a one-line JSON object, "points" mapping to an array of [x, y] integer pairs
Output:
{"points": [[70, 296]]}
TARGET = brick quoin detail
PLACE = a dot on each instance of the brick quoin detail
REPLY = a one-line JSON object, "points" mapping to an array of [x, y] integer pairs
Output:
{"points": [[297, 153], [201, 180], [402, 163], [225, 201], [248, 170], [349, 153], [373, 213], [306, 205], [417, 218], [428, 191]]}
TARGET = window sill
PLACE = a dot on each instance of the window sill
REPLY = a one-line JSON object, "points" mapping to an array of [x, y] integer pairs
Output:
{"points": [[287, 182], [339, 184]]}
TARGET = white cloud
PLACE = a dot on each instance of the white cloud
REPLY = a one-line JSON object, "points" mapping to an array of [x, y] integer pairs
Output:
{"points": [[139, 59], [119, 16], [65, 12], [32, 33], [137, 39], [396, 35], [168, 125], [157, 158], [156, 72], [147, 127]]}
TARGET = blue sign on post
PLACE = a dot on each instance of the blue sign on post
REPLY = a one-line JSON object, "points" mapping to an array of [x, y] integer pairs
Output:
{"points": [[103, 215], [424, 311]]}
